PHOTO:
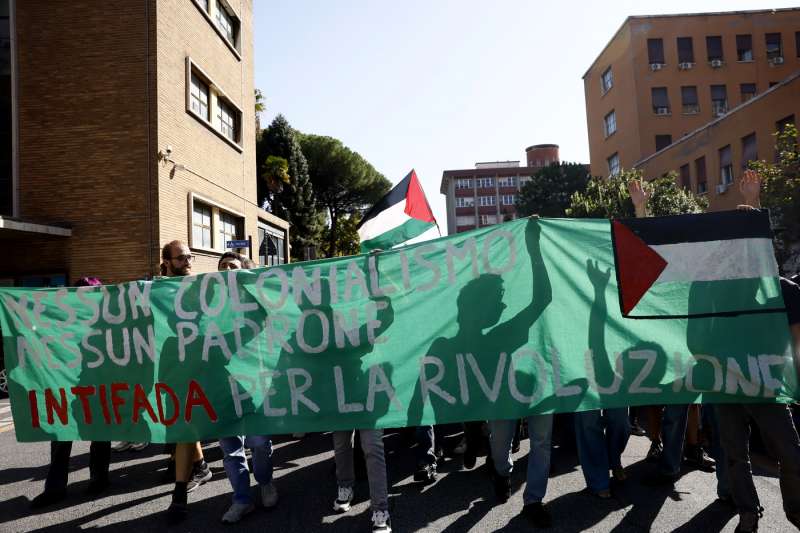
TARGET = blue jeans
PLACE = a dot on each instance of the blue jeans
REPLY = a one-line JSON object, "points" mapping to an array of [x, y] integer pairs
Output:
{"points": [[673, 434], [540, 430], [709, 416], [601, 437], [236, 463]]}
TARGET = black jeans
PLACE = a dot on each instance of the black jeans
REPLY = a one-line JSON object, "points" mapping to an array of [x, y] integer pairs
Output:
{"points": [[99, 459]]}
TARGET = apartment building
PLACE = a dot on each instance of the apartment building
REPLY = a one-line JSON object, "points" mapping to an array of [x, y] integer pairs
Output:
{"points": [[662, 77], [486, 194], [131, 124]]}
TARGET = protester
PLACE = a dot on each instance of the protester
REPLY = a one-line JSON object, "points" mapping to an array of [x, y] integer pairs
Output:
{"points": [[55, 485], [191, 469], [235, 460]]}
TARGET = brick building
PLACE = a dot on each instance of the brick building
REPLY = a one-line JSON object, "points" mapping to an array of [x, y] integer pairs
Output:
{"points": [[132, 124], [486, 194], [662, 77]]}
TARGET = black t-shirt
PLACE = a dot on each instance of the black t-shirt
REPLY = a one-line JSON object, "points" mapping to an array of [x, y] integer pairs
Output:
{"points": [[791, 297]]}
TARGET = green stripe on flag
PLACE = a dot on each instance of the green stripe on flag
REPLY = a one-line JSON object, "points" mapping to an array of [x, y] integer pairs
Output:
{"points": [[408, 230]]}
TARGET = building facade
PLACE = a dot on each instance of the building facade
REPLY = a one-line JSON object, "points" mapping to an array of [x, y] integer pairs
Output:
{"points": [[132, 124], [709, 159], [487, 194], [663, 77]]}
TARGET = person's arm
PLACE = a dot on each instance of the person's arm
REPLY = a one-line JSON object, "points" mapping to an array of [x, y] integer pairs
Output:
{"points": [[639, 196], [750, 187]]}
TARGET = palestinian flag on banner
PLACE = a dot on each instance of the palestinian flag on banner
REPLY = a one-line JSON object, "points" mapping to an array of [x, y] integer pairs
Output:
{"points": [[399, 216], [712, 264]]}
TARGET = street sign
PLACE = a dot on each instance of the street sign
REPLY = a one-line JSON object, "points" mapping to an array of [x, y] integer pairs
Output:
{"points": [[237, 244]]}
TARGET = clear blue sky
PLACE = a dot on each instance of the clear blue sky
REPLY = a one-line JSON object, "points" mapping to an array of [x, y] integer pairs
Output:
{"points": [[436, 84]]}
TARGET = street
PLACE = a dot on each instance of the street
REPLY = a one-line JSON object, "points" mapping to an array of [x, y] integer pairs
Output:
{"points": [[459, 501]]}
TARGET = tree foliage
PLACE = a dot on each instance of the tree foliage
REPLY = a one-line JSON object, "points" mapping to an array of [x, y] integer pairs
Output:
{"points": [[293, 200], [344, 184], [780, 193], [609, 197], [549, 191]]}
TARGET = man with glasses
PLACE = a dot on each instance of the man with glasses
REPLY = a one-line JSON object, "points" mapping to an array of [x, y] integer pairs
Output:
{"points": [[191, 469]]}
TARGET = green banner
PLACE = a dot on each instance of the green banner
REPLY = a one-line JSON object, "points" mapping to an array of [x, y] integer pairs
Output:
{"points": [[500, 322]]}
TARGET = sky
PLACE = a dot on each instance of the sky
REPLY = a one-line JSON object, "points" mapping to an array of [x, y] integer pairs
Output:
{"points": [[438, 85]]}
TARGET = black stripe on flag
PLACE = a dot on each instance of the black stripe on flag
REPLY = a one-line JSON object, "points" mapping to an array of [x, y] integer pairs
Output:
{"points": [[719, 226], [395, 196]]}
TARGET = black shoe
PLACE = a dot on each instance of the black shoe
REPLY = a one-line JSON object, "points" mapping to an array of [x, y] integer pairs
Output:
{"points": [[177, 513], [654, 453], [470, 458], [47, 498], [696, 457], [502, 487], [200, 475], [658, 479], [426, 473], [97, 486], [637, 430], [538, 515]]}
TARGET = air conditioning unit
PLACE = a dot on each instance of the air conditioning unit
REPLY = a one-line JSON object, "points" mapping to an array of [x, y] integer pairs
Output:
{"points": [[685, 66], [716, 63], [722, 187], [662, 111], [656, 66], [776, 60]]}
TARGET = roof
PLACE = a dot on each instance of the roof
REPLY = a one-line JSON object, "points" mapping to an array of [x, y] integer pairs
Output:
{"points": [[472, 172], [789, 80], [541, 146], [632, 18]]}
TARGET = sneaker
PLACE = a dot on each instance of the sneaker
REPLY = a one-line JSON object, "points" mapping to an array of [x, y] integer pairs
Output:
{"points": [[470, 458], [748, 523], [236, 512], [637, 430], [122, 446], [138, 446], [381, 523], [343, 500], [269, 496], [654, 454], [502, 487], [47, 498], [537, 514], [177, 513], [619, 474], [200, 475], [696, 457], [426, 473]]}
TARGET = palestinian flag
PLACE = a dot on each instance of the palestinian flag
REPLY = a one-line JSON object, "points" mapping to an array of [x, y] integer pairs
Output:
{"points": [[713, 264], [399, 216]]}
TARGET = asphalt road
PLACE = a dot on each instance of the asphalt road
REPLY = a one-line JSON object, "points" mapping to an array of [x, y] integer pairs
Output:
{"points": [[459, 501]]}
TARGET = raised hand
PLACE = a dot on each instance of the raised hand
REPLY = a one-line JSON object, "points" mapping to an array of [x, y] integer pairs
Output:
{"points": [[598, 278], [639, 196], [750, 187]]}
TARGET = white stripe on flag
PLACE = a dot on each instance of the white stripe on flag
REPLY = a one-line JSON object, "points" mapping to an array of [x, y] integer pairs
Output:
{"points": [[717, 260], [386, 220]]}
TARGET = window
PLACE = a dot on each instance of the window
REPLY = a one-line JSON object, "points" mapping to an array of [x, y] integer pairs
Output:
{"points": [[744, 47], [610, 123], [606, 80], [714, 47], [662, 141], [774, 47], [685, 50], [465, 201], [660, 101], [271, 245], [227, 120], [725, 165], [689, 100], [686, 177], [507, 181], [508, 199], [463, 183], [749, 149], [700, 172], [782, 123], [201, 225], [198, 96], [228, 229], [465, 221], [487, 200], [203, 4], [223, 19], [655, 51], [488, 220], [524, 179], [748, 91], [225, 23], [613, 164], [484, 183], [719, 100]]}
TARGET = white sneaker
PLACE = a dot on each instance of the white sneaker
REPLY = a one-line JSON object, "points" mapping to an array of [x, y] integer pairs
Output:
{"points": [[139, 446], [343, 500], [381, 523], [122, 446], [269, 495], [236, 512]]}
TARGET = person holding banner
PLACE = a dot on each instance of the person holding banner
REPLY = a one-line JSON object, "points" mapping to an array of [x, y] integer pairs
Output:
{"points": [[235, 460], [55, 485]]}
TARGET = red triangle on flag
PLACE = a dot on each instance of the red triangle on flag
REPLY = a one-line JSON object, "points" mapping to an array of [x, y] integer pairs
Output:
{"points": [[416, 204], [638, 266]]}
